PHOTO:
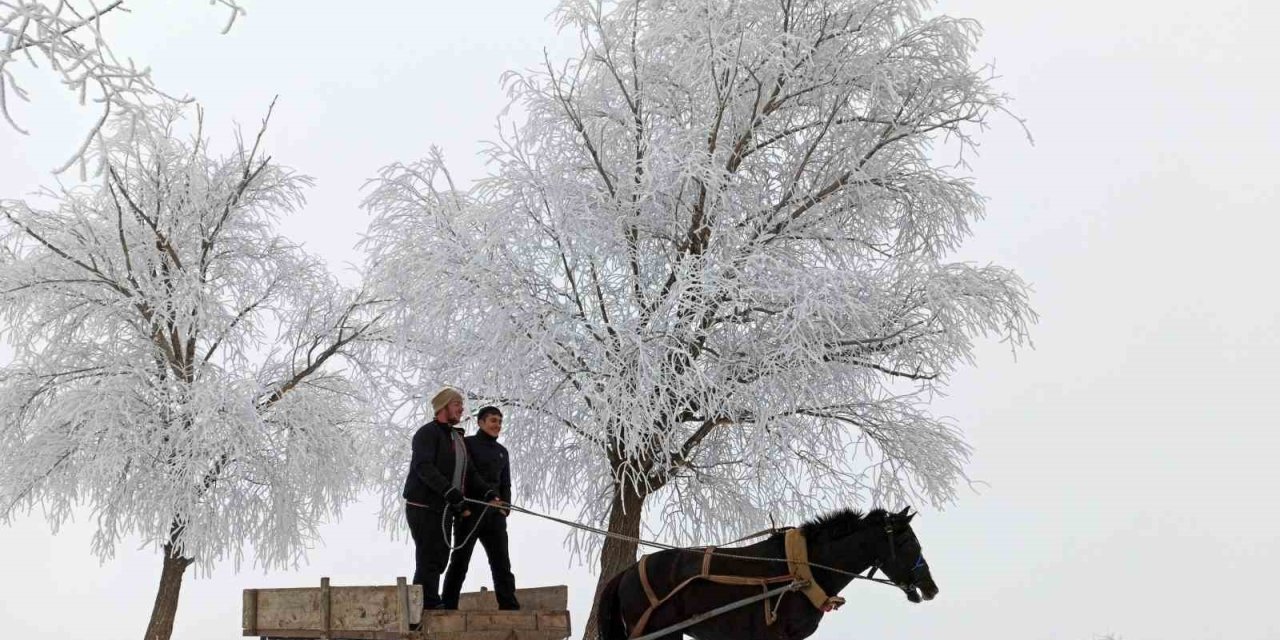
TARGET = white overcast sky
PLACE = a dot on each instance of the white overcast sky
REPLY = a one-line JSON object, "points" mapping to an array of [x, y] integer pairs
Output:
{"points": [[1126, 463]]}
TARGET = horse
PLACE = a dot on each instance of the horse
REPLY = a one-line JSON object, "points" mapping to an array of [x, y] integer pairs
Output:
{"points": [[673, 586]]}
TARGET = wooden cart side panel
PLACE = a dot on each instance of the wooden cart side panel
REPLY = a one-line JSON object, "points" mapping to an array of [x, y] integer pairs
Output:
{"points": [[499, 620], [297, 608], [497, 635], [553, 622], [372, 608], [554, 598], [313, 634], [349, 608]]}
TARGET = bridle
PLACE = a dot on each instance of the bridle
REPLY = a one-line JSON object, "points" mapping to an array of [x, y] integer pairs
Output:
{"points": [[909, 587]]}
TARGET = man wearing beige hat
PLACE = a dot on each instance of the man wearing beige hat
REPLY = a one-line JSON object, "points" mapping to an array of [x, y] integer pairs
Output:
{"points": [[438, 474]]}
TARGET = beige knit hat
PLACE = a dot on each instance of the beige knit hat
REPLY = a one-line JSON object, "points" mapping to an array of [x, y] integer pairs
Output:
{"points": [[442, 399]]}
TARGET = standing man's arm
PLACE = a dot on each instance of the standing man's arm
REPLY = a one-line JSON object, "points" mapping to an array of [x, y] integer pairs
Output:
{"points": [[504, 481], [424, 451]]}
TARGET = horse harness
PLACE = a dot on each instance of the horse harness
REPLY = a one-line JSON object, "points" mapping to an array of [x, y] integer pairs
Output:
{"points": [[893, 555], [798, 572]]}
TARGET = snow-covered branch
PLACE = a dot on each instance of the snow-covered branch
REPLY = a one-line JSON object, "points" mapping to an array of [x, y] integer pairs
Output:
{"points": [[69, 36]]}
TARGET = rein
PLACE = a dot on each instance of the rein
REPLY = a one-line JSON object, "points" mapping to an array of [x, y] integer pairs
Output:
{"points": [[793, 586], [659, 545], [446, 520]]}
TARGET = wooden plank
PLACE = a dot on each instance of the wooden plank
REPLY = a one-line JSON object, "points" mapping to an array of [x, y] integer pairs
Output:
{"points": [[444, 621], [415, 603], [313, 634], [537, 598], [499, 635], [297, 608], [554, 621], [353, 608], [501, 620], [326, 608], [249, 621], [370, 608], [402, 604], [449, 626]]}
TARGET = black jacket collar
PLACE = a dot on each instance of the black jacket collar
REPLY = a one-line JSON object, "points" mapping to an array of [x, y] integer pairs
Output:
{"points": [[445, 427]]}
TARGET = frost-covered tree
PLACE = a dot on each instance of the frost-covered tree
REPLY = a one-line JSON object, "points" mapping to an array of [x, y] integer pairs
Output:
{"points": [[67, 35], [709, 263], [180, 369]]}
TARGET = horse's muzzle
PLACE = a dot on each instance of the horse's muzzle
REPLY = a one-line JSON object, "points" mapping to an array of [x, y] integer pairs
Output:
{"points": [[928, 590]]}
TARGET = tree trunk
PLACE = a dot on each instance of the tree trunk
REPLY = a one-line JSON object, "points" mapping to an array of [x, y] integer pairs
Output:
{"points": [[166, 607], [616, 555]]}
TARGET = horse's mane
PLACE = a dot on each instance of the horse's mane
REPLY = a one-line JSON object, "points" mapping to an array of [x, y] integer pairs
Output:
{"points": [[840, 523]]}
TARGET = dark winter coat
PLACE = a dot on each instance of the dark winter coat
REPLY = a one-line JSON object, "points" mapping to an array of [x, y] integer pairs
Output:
{"points": [[491, 461], [431, 469]]}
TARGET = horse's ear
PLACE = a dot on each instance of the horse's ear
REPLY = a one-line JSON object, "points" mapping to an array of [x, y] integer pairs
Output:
{"points": [[904, 513]]}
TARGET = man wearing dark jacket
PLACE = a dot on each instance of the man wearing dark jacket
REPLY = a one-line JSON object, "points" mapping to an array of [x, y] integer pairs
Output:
{"points": [[488, 525], [439, 476]]}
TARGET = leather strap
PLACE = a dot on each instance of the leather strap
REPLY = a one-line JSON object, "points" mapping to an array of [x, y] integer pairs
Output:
{"points": [[654, 601], [797, 564], [644, 581], [648, 592]]}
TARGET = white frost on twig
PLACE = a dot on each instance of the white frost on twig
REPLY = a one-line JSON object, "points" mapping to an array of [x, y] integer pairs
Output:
{"points": [[68, 35]]}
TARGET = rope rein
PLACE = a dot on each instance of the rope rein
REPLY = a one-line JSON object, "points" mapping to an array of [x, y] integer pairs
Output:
{"points": [[737, 604], [445, 522], [660, 545]]}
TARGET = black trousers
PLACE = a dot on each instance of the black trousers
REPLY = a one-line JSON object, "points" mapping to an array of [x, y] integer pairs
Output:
{"points": [[491, 533], [430, 550]]}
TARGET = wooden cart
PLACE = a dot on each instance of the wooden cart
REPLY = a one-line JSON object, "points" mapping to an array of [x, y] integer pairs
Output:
{"points": [[388, 612]]}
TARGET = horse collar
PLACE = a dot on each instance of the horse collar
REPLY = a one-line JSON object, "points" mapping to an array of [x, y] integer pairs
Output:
{"points": [[798, 563]]}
